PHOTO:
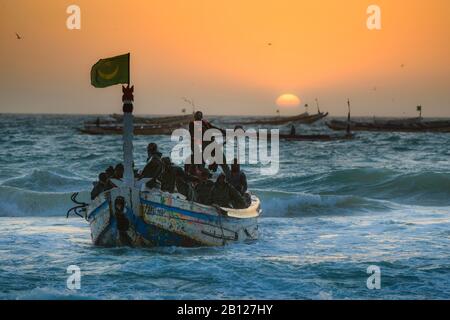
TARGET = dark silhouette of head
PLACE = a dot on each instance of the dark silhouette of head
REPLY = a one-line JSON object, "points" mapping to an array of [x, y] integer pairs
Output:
{"points": [[198, 116], [118, 171], [110, 171], [152, 148], [103, 177]]}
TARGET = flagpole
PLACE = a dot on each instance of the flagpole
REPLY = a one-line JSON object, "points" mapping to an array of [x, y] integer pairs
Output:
{"points": [[129, 68], [128, 129]]}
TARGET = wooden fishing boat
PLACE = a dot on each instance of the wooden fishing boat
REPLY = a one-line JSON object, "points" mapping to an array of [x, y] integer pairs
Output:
{"points": [[157, 218], [394, 125], [146, 130], [303, 118], [143, 125], [167, 120], [315, 137], [132, 214]]}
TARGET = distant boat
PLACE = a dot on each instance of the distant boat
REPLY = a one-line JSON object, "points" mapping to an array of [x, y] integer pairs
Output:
{"points": [[142, 126], [393, 125], [179, 120], [315, 137], [139, 129], [304, 118]]}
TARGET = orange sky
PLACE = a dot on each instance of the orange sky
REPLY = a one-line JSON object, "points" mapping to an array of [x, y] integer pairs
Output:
{"points": [[217, 53]]}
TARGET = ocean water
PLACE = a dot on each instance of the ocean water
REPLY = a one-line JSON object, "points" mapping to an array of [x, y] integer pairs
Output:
{"points": [[333, 210]]}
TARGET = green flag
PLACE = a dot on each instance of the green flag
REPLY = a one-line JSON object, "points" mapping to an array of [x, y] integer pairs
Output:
{"points": [[111, 71]]}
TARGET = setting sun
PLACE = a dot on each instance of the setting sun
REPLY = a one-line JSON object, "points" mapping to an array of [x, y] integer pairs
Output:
{"points": [[288, 100]]}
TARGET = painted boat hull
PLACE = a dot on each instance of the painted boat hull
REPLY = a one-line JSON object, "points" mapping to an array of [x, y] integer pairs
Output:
{"points": [[158, 219]]}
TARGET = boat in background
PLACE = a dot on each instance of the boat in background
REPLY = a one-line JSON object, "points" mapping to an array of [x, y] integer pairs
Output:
{"points": [[303, 118], [113, 125], [139, 129], [417, 124], [163, 120], [315, 137], [392, 125]]}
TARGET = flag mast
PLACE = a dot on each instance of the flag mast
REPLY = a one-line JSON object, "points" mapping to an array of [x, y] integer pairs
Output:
{"points": [[128, 128]]}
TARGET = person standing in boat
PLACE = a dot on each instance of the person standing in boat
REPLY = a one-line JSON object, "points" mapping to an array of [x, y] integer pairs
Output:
{"points": [[292, 130], [198, 144]]}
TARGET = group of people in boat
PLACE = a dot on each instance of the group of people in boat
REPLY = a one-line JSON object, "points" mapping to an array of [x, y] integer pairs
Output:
{"points": [[200, 183]]}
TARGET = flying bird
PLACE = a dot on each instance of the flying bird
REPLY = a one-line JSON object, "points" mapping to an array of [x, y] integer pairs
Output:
{"points": [[18, 36]]}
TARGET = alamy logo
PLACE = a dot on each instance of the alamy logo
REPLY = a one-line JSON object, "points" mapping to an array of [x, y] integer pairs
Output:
{"points": [[374, 280], [73, 22], [374, 19], [74, 280], [216, 146]]}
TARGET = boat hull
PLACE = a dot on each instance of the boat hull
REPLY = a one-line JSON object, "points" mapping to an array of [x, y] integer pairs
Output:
{"points": [[302, 118], [157, 219], [408, 125]]}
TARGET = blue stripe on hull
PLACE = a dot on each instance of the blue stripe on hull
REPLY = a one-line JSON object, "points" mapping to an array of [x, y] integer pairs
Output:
{"points": [[155, 236], [193, 214]]}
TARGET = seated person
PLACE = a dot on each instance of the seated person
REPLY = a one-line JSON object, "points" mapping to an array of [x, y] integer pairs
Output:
{"points": [[167, 177], [184, 184], [225, 195], [237, 178], [110, 172], [203, 190], [214, 169], [100, 186], [118, 172], [154, 166], [152, 150]]}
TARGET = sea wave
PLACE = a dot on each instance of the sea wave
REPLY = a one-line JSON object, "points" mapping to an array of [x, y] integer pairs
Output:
{"points": [[420, 188], [47, 193], [15, 202], [287, 204], [427, 188], [47, 181]]}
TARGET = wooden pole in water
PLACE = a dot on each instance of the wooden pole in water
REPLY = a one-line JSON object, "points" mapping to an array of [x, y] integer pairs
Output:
{"points": [[348, 117]]}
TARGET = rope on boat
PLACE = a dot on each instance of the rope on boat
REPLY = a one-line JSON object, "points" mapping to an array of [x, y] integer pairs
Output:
{"points": [[79, 208], [221, 212]]}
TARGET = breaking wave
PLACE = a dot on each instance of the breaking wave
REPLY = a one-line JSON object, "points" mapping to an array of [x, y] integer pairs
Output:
{"points": [[353, 191], [15, 202], [48, 181], [423, 188], [286, 204]]}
